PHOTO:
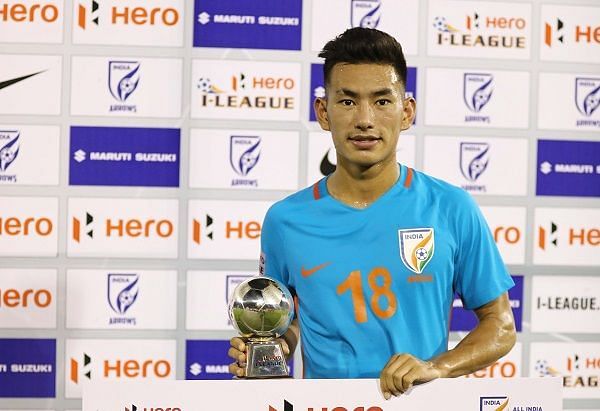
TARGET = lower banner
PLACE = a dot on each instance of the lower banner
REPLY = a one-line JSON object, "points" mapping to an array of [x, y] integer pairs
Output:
{"points": [[520, 394]]}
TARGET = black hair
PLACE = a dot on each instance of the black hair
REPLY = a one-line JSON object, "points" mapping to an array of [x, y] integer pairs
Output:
{"points": [[361, 45]]}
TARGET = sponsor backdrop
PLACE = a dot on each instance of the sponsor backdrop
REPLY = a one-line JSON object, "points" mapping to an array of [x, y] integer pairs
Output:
{"points": [[141, 143]]}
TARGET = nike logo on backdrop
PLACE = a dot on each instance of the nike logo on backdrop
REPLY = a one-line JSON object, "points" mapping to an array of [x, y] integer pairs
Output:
{"points": [[6, 83], [307, 273]]}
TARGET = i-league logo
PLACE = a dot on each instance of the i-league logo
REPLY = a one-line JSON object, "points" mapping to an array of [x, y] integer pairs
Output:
{"points": [[365, 13], [9, 150], [587, 97], [244, 153], [474, 159], [416, 248], [122, 292], [123, 80], [477, 92]]}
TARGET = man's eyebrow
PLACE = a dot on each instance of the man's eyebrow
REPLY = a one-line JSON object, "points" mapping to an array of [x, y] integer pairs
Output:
{"points": [[377, 93]]}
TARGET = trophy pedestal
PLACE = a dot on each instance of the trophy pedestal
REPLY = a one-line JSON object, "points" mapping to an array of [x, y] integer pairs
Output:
{"points": [[265, 359]]}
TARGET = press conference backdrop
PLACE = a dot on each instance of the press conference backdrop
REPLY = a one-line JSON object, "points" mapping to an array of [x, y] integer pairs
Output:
{"points": [[141, 143]]}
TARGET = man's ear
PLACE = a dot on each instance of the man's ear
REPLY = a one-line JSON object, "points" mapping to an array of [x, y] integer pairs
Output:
{"points": [[320, 107], [410, 110]]}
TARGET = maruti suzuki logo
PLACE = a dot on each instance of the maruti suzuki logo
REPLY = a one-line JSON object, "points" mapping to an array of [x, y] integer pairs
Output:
{"points": [[77, 227], [86, 369]]}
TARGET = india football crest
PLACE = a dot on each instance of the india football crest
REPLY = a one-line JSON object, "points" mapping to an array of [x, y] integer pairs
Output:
{"points": [[365, 13], [123, 78], [122, 291], [477, 90], [587, 95], [244, 153], [474, 159], [416, 248], [9, 148]]}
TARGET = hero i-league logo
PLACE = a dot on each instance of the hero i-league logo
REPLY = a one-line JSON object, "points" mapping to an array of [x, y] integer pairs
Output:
{"points": [[244, 153], [587, 100], [9, 150], [122, 292], [477, 92], [474, 160], [365, 13], [123, 80]]}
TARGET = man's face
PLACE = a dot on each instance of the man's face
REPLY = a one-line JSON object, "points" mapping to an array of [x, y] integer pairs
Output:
{"points": [[365, 111]]}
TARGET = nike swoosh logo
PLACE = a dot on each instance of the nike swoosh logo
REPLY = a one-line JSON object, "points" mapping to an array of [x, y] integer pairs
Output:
{"points": [[307, 273], [10, 82]]}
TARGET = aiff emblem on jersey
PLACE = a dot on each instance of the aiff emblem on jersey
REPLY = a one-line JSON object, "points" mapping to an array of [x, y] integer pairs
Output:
{"points": [[416, 247]]}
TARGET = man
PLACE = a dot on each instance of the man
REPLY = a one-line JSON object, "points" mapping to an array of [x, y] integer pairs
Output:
{"points": [[375, 251]]}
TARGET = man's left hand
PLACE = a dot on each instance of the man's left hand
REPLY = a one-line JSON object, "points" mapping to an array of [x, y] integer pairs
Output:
{"points": [[403, 371]]}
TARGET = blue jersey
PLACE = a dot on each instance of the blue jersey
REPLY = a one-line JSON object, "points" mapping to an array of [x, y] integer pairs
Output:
{"points": [[379, 281]]}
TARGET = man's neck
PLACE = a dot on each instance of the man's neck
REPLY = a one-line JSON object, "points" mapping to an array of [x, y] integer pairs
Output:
{"points": [[358, 186]]}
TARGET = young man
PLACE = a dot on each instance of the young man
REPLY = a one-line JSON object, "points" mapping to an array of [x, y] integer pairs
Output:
{"points": [[375, 251]]}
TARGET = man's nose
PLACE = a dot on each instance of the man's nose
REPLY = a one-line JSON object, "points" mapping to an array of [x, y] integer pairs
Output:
{"points": [[364, 117]]}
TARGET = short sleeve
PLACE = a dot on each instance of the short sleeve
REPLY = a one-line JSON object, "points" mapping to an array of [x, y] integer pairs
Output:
{"points": [[272, 258], [480, 275]]}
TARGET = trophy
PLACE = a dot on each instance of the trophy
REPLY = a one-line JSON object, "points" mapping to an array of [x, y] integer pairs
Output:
{"points": [[261, 309]]}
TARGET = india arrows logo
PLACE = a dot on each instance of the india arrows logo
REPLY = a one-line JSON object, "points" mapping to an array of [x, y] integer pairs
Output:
{"points": [[416, 248]]}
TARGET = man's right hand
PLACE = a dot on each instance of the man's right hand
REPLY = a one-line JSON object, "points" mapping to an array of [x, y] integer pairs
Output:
{"points": [[237, 351]]}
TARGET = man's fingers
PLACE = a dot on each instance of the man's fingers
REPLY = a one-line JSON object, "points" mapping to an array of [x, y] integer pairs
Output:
{"points": [[238, 344], [409, 379], [237, 355], [387, 375], [236, 370]]}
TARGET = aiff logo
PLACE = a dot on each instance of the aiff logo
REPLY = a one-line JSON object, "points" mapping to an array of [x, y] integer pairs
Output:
{"points": [[493, 403], [365, 13], [10, 149], [474, 159], [477, 90], [122, 292], [244, 153], [587, 95], [416, 248], [123, 78]]}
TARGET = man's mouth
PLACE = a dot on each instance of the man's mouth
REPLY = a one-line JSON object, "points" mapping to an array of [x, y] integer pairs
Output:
{"points": [[364, 141]]}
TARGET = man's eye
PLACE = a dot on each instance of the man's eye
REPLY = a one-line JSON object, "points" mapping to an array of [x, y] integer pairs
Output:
{"points": [[383, 102], [347, 102]]}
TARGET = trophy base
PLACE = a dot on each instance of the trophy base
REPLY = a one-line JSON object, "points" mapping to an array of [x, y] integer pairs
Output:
{"points": [[265, 359]]}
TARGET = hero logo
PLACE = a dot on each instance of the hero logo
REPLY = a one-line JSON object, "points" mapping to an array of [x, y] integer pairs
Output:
{"points": [[288, 406], [554, 33], [477, 92], [131, 228], [233, 230], [30, 226], [89, 12], [576, 236], [119, 369], [153, 408], [12, 298], [452, 36], [47, 13]]}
